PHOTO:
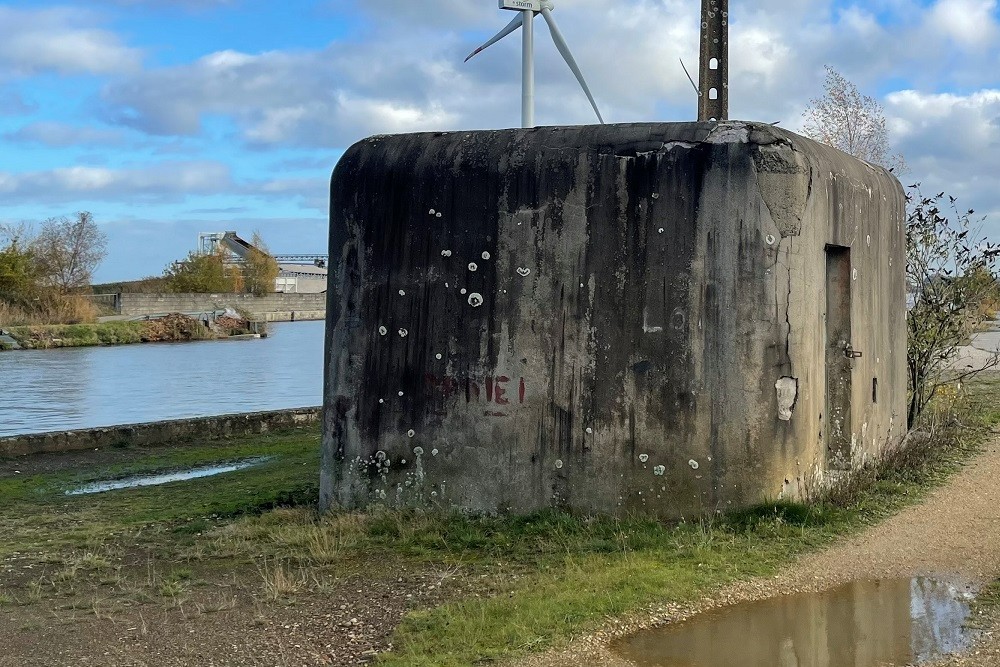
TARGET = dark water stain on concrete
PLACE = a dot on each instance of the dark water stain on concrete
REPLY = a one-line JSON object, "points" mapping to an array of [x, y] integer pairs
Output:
{"points": [[156, 480], [862, 624]]}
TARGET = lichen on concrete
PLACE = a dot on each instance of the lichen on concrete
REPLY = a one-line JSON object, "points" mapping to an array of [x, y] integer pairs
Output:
{"points": [[648, 290]]}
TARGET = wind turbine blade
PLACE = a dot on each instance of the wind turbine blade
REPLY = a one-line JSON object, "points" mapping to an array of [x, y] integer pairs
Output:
{"points": [[511, 27], [568, 57]]}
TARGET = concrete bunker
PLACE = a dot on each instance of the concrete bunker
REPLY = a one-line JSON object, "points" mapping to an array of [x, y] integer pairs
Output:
{"points": [[670, 319]]}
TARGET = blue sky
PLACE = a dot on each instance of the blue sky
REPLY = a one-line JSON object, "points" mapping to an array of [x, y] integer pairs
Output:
{"points": [[165, 118]]}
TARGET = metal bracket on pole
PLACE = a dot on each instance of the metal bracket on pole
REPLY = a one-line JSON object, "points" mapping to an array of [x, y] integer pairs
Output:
{"points": [[713, 101]]}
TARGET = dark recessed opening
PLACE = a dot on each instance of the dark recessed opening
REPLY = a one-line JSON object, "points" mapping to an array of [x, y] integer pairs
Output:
{"points": [[874, 390]]}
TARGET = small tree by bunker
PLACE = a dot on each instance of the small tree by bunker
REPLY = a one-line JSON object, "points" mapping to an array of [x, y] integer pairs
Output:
{"points": [[852, 122], [950, 278], [953, 291]]}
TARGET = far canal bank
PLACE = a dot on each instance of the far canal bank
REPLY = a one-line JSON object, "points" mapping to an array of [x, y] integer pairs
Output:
{"points": [[90, 387], [172, 328]]}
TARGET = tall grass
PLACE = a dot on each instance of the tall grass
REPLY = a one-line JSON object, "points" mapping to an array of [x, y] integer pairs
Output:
{"points": [[51, 309], [42, 337]]}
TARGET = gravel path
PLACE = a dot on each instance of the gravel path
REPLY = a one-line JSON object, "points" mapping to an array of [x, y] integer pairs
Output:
{"points": [[954, 534]]}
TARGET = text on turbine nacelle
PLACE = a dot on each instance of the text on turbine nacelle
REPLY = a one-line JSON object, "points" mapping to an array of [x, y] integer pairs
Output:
{"points": [[521, 5]]}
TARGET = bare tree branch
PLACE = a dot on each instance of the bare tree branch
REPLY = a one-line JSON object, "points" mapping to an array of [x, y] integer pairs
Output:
{"points": [[852, 122], [68, 250]]}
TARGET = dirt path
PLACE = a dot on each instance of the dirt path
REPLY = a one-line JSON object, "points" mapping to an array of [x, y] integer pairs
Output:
{"points": [[219, 625], [954, 534]]}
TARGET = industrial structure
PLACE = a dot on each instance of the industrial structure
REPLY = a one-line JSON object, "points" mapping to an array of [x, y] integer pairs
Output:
{"points": [[299, 274]]}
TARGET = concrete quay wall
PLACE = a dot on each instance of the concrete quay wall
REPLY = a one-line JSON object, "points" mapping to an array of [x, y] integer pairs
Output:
{"points": [[269, 308], [154, 434]]}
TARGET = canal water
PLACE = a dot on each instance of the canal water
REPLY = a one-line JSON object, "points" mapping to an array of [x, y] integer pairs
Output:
{"points": [[55, 390]]}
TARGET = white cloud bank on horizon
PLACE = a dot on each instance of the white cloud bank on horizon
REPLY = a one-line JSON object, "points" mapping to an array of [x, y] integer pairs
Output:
{"points": [[931, 64], [408, 75]]}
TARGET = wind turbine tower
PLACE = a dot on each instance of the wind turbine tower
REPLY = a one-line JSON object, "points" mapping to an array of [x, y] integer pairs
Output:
{"points": [[713, 95], [525, 20]]}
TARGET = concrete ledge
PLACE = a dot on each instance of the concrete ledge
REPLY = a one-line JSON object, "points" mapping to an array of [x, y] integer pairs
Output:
{"points": [[270, 307], [294, 316], [158, 433]]}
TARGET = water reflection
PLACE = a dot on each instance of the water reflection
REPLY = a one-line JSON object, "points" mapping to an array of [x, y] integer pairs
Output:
{"points": [[862, 624], [157, 480], [52, 390]]}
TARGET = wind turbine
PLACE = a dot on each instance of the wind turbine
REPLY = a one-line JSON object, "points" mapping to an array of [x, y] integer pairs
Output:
{"points": [[525, 20]]}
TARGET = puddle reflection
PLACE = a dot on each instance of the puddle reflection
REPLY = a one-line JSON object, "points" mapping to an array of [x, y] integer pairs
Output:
{"points": [[862, 624], [156, 480]]}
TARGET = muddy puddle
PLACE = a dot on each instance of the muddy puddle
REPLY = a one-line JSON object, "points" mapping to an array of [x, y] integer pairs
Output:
{"points": [[862, 624], [156, 480]]}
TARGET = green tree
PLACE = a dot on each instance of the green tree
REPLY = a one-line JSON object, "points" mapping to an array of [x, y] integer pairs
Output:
{"points": [[203, 274], [260, 269], [18, 273], [953, 291]]}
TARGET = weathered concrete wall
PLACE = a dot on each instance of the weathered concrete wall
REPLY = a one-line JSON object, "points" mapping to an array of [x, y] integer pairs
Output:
{"points": [[158, 433], [270, 307], [609, 319]]}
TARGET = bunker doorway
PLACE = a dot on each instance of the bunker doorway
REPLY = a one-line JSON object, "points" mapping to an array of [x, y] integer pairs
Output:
{"points": [[839, 358]]}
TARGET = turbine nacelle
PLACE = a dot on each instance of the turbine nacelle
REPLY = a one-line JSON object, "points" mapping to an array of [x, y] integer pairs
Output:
{"points": [[524, 20], [522, 5]]}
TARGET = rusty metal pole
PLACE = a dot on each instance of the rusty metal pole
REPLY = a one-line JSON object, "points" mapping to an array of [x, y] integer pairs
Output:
{"points": [[713, 82]]}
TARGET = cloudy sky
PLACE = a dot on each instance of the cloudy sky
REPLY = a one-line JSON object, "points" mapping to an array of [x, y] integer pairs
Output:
{"points": [[169, 117]]}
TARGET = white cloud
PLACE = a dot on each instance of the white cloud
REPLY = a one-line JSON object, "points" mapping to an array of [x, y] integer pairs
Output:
{"points": [[403, 71], [952, 142], [160, 181], [168, 182], [53, 134], [408, 74], [324, 98], [948, 123], [970, 22], [62, 40], [398, 81]]}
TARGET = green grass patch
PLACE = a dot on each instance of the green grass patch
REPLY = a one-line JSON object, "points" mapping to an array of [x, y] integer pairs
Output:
{"points": [[988, 598], [585, 572], [79, 335], [529, 582], [43, 337], [37, 513]]}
